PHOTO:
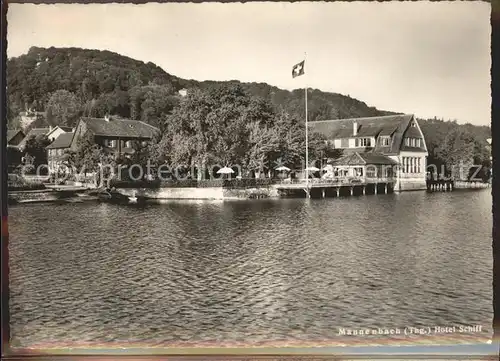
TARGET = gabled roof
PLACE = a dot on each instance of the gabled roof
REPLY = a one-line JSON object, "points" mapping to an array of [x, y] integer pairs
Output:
{"points": [[33, 133], [356, 158], [120, 127], [11, 133], [62, 141], [393, 125], [377, 159], [63, 128]]}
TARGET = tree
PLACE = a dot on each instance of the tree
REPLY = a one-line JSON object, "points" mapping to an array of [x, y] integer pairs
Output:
{"points": [[223, 125], [457, 151], [319, 148], [152, 104], [91, 158], [63, 108], [262, 142], [14, 157], [35, 148], [291, 135]]}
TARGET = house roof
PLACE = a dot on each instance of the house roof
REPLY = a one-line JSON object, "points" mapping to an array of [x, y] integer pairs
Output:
{"points": [[120, 127], [394, 125], [33, 133], [11, 133], [63, 128], [356, 158], [62, 141]]}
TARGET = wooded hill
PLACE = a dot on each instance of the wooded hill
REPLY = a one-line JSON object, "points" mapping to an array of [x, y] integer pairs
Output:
{"points": [[104, 82], [67, 83]]}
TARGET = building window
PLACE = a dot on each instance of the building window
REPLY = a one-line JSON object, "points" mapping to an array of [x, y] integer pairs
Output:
{"points": [[358, 171], [110, 143], [371, 171], [128, 144], [344, 143], [363, 142], [385, 141]]}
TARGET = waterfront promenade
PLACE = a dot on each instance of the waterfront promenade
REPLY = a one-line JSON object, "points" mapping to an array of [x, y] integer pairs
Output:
{"points": [[336, 186]]}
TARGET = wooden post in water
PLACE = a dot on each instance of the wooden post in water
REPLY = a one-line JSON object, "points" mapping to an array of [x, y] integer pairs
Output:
{"points": [[364, 190], [375, 189], [323, 192], [352, 190]]}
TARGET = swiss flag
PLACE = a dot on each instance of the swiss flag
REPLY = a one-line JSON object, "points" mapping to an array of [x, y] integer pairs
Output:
{"points": [[298, 69]]}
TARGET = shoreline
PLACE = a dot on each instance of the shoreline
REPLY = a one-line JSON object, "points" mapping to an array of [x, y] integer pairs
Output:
{"points": [[165, 195]]}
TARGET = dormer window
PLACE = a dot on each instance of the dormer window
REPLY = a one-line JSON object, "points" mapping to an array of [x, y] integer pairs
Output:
{"points": [[385, 141], [363, 142], [413, 142]]}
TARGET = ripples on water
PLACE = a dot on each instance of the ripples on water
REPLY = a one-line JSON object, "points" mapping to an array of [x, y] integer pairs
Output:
{"points": [[249, 271]]}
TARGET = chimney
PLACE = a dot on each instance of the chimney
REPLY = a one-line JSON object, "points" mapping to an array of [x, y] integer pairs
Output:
{"points": [[50, 128], [354, 128]]}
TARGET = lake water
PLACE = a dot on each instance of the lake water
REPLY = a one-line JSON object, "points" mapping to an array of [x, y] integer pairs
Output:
{"points": [[274, 272]]}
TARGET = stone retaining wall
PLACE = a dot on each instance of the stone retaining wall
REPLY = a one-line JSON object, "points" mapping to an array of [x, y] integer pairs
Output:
{"points": [[173, 193], [32, 196], [199, 193]]}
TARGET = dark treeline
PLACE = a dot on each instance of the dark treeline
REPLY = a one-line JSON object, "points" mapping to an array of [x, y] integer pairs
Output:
{"points": [[451, 144], [69, 82], [66, 83]]}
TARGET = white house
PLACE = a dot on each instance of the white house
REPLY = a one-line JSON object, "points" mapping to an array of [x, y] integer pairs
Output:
{"points": [[394, 137], [55, 132]]}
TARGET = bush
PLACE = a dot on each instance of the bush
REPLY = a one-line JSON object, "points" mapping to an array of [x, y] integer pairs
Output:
{"points": [[14, 157], [192, 183], [17, 183]]}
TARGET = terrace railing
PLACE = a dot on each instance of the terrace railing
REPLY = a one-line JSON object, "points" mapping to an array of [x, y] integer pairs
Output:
{"points": [[338, 180]]}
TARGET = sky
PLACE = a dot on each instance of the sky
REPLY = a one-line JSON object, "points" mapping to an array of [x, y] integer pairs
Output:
{"points": [[424, 58]]}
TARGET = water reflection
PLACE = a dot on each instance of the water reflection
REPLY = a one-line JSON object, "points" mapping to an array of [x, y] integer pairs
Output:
{"points": [[253, 271]]}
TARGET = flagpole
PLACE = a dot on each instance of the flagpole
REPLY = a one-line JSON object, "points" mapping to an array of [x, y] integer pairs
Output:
{"points": [[307, 136]]}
